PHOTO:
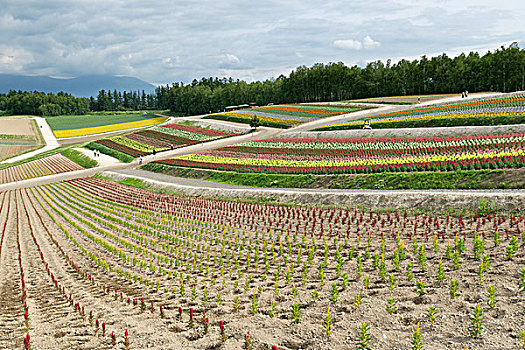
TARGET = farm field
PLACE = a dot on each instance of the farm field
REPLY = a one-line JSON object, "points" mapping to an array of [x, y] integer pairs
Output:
{"points": [[159, 138], [54, 164], [411, 99], [81, 125], [361, 155], [17, 135], [284, 116], [505, 110], [93, 258]]}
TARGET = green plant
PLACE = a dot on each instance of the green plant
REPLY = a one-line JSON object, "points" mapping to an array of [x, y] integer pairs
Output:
{"points": [[366, 282], [481, 273], [417, 339], [364, 338], [296, 313], [477, 327], [522, 338], [422, 257], [410, 274], [420, 288], [315, 294], [432, 314], [327, 325], [391, 305], [453, 291], [456, 263], [497, 239], [392, 282], [255, 304], [236, 303], [440, 273], [273, 311], [334, 294], [358, 300], [492, 296]]}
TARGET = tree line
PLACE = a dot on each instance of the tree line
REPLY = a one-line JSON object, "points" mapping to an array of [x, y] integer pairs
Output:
{"points": [[500, 70]]}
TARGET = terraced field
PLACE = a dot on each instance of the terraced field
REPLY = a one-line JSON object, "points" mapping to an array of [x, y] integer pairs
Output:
{"points": [[284, 116]]}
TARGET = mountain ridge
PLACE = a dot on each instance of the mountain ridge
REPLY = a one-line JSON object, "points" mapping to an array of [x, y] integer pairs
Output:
{"points": [[82, 86]]}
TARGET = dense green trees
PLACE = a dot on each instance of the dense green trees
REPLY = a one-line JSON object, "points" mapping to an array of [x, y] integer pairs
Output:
{"points": [[40, 103], [500, 70]]}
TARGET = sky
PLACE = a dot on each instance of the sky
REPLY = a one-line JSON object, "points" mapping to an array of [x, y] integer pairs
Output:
{"points": [[162, 41]]}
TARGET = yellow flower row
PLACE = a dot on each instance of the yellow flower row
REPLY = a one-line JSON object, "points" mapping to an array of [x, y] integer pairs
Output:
{"points": [[462, 115], [267, 119], [108, 128], [351, 162]]}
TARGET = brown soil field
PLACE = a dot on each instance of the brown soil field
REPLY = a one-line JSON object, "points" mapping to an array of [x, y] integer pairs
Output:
{"points": [[93, 245], [412, 99], [16, 126]]}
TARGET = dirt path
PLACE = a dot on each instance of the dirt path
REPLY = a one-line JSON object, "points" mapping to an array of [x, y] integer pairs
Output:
{"points": [[12, 330]]}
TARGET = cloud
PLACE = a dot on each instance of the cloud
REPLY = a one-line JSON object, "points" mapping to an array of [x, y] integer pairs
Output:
{"points": [[164, 41], [369, 43], [349, 44]]}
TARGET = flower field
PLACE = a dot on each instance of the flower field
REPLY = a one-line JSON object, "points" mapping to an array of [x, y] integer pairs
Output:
{"points": [[104, 266], [283, 116], [46, 166], [362, 155], [158, 138], [82, 125], [503, 110]]}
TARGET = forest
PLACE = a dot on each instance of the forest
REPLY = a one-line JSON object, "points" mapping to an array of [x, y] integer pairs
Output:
{"points": [[501, 70]]}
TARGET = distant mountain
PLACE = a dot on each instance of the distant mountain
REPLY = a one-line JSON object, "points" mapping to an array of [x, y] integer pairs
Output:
{"points": [[83, 86]]}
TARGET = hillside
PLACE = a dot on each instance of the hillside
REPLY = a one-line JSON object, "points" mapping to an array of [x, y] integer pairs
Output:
{"points": [[83, 86]]}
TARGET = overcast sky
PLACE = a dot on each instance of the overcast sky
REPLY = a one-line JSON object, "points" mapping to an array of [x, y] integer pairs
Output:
{"points": [[165, 41]]}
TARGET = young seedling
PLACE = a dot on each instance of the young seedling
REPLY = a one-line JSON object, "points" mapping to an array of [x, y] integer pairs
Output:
{"points": [[223, 333], [417, 339], [410, 274], [247, 341], [334, 294], [315, 294], [453, 289], [432, 314], [127, 343], [492, 296], [327, 322], [273, 311], [296, 313], [477, 326], [366, 282], [391, 306], [190, 322], [392, 282], [420, 288], [364, 338], [255, 304], [522, 338], [357, 300], [441, 272], [481, 273], [236, 303]]}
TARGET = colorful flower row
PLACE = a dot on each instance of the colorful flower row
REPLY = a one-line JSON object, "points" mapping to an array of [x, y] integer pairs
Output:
{"points": [[284, 115], [513, 105], [108, 128], [347, 155], [161, 138]]}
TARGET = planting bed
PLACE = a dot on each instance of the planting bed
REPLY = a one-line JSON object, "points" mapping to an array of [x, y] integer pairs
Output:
{"points": [[93, 245], [284, 116], [159, 138], [54, 164], [362, 155], [505, 110]]}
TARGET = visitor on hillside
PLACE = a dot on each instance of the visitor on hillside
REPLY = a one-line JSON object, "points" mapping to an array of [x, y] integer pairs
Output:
{"points": [[466, 93], [171, 146], [95, 153], [418, 99], [462, 94], [140, 160], [154, 151]]}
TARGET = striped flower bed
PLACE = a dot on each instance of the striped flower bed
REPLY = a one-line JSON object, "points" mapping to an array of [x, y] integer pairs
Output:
{"points": [[481, 110], [362, 155], [46, 166], [160, 138], [283, 116]]}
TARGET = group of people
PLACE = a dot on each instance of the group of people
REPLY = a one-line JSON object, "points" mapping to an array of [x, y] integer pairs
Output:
{"points": [[464, 94], [96, 153]]}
